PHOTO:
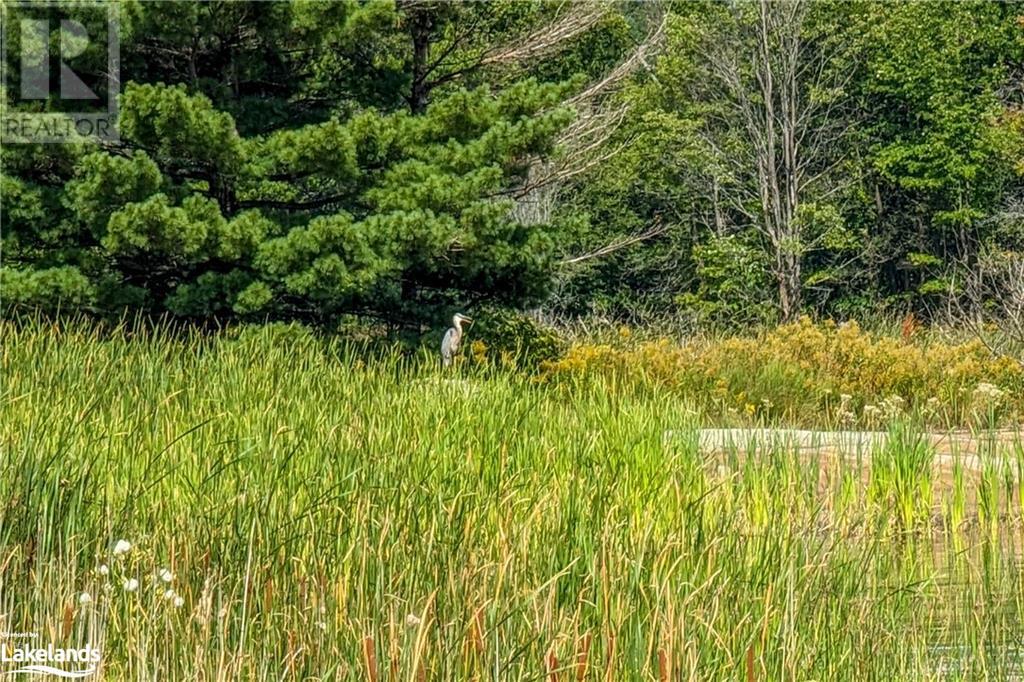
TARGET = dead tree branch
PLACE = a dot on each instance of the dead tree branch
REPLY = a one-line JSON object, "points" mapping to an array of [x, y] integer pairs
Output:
{"points": [[586, 142], [987, 299], [547, 40], [653, 231]]}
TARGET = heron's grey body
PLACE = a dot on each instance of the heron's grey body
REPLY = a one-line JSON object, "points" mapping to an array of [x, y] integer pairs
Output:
{"points": [[452, 340]]}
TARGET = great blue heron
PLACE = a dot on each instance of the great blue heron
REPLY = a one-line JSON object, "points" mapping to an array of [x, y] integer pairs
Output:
{"points": [[452, 339]]}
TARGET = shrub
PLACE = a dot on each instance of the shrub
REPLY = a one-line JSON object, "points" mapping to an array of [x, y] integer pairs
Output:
{"points": [[510, 339], [802, 370], [735, 287]]}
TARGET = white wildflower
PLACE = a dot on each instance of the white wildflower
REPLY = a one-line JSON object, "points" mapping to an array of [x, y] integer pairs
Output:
{"points": [[893, 406], [988, 393], [131, 585], [412, 620], [179, 602], [165, 575], [103, 570], [122, 547], [84, 598], [169, 595]]}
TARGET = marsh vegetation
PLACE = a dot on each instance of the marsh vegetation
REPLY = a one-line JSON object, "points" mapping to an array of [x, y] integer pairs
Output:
{"points": [[321, 515]]}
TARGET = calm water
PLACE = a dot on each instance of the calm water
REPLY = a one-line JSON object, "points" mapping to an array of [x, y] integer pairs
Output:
{"points": [[973, 602]]}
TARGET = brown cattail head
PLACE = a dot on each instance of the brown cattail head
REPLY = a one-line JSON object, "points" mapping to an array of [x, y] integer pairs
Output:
{"points": [[69, 619], [664, 666], [476, 632], [551, 662], [291, 652], [750, 663], [583, 658], [370, 657]]}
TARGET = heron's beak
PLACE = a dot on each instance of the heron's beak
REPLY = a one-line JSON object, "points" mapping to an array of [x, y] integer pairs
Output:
{"points": [[468, 319]]}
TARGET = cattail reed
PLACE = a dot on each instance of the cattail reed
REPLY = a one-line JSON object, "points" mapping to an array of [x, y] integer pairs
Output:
{"points": [[370, 658], [467, 513], [583, 658], [68, 621], [551, 665], [664, 666]]}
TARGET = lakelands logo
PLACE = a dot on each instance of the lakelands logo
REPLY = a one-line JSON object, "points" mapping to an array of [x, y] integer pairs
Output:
{"points": [[71, 663]]}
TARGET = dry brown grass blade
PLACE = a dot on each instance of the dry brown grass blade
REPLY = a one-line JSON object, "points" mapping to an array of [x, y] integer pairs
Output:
{"points": [[610, 663], [418, 665]]}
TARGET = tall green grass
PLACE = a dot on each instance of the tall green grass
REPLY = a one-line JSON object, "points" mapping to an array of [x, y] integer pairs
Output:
{"points": [[326, 517]]}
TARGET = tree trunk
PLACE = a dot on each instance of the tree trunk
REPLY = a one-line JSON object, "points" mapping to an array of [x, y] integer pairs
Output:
{"points": [[421, 25], [776, 121], [772, 76], [790, 289]]}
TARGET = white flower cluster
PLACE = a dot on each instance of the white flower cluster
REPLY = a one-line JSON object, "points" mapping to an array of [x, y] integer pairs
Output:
{"points": [[892, 407], [131, 583], [175, 598], [846, 415], [888, 409], [988, 394]]}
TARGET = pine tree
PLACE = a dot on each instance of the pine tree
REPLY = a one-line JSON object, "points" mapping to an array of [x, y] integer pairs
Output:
{"points": [[294, 160]]}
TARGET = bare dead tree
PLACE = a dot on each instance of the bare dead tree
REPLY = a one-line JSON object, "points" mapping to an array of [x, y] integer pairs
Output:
{"points": [[779, 84], [639, 58], [587, 142], [987, 299], [536, 206]]}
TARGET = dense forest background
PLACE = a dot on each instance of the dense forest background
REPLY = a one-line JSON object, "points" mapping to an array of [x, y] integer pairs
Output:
{"points": [[734, 162]]}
